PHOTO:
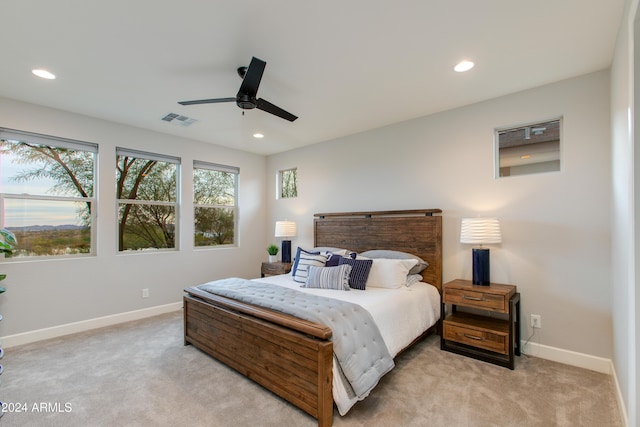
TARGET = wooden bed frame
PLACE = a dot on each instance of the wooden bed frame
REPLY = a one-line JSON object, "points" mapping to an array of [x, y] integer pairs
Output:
{"points": [[289, 356]]}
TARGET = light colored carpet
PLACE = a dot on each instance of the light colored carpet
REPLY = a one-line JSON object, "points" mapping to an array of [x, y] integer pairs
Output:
{"points": [[140, 374]]}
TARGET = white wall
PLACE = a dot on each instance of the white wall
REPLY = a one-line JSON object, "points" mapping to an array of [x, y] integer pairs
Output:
{"points": [[624, 246], [556, 226], [43, 294]]}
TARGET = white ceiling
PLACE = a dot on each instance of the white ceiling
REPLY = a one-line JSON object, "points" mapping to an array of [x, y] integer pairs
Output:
{"points": [[342, 66]]}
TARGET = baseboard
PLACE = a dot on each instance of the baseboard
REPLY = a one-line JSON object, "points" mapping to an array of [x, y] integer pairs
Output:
{"points": [[581, 360], [85, 325], [568, 357], [621, 405]]}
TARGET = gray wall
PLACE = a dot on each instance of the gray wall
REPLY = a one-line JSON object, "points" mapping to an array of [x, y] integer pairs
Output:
{"points": [[555, 226], [624, 218]]}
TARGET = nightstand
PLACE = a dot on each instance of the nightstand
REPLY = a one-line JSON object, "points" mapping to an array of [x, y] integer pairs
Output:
{"points": [[274, 268], [490, 331]]}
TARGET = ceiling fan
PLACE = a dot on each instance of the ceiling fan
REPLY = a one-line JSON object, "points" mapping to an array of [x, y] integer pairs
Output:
{"points": [[246, 97]]}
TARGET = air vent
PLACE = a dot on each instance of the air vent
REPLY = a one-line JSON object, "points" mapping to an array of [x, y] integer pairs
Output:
{"points": [[179, 120]]}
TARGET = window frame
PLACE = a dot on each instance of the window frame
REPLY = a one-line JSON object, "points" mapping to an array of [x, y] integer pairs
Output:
{"points": [[138, 154], [531, 126], [198, 164], [280, 183], [56, 142]]}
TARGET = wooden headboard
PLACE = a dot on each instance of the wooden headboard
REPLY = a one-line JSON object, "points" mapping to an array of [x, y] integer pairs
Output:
{"points": [[418, 232]]}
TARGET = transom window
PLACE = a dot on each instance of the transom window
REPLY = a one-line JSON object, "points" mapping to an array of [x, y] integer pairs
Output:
{"points": [[528, 149], [215, 204], [288, 183], [147, 193], [47, 193]]}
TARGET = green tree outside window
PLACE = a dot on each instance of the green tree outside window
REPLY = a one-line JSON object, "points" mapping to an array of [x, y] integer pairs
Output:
{"points": [[289, 183]]}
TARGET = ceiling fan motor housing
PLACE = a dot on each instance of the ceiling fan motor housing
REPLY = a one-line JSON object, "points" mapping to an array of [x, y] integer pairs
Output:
{"points": [[245, 101]]}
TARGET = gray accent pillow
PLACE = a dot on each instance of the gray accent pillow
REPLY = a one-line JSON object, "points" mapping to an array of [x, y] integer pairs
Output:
{"points": [[383, 253], [329, 277], [413, 279]]}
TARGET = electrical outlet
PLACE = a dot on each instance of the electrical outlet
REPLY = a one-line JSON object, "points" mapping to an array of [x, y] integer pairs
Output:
{"points": [[536, 321], [145, 293]]}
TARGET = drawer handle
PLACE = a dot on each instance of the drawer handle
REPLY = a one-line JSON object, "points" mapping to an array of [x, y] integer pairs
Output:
{"points": [[474, 337], [472, 298]]}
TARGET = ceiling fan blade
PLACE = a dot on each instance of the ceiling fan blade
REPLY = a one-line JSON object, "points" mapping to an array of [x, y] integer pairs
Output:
{"points": [[263, 105], [207, 101], [252, 77]]}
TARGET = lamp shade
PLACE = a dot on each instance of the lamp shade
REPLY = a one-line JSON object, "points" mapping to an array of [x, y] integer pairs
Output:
{"points": [[286, 229], [480, 231]]}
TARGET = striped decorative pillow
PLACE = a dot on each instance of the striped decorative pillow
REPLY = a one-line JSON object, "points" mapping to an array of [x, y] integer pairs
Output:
{"points": [[329, 277], [359, 272], [305, 260], [298, 253]]}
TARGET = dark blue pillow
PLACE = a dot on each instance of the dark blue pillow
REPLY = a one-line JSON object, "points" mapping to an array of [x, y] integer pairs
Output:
{"points": [[334, 261], [360, 269], [295, 263]]}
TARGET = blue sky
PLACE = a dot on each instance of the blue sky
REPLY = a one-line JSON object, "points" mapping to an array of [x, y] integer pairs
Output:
{"points": [[25, 212]]}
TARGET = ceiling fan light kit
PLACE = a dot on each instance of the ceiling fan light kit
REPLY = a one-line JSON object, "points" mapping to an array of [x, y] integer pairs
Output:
{"points": [[246, 97]]}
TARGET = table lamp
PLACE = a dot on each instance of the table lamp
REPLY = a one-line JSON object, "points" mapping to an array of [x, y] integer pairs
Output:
{"points": [[479, 231], [286, 229]]}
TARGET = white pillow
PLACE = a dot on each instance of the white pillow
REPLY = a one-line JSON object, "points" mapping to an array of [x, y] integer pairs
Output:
{"points": [[382, 253], [335, 251], [390, 273]]}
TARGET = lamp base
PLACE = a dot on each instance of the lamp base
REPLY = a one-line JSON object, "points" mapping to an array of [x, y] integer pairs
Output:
{"points": [[286, 251], [480, 266]]}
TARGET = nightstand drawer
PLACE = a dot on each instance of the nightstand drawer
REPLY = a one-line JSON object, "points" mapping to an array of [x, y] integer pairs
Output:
{"points": [[483, 300], [477, 338], [275, 268]]}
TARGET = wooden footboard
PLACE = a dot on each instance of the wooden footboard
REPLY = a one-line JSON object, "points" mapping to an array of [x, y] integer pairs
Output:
{"points": [[291, 357]]}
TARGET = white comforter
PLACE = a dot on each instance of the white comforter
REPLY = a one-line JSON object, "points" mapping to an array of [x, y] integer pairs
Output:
{"points": [[401, 314]]}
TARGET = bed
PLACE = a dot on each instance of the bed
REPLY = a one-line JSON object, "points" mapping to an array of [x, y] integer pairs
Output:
{"points": [[294, 357]]}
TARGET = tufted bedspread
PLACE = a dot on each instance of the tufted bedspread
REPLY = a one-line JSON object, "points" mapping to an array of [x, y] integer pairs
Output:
{"points": [[358, 347]]}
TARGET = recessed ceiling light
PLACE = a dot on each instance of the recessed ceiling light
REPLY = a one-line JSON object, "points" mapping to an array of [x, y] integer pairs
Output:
{"points": [[44, 74], [463, 66], [258, 135]]}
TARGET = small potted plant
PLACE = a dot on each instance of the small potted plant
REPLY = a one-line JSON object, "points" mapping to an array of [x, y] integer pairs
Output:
{"points": [[7, 245], [273, 251]]}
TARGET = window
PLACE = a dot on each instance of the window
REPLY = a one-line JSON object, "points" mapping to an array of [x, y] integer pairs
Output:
{"points": [[47, 193], [288, 183], [147, 193], [215, 204], [528, 149]]}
